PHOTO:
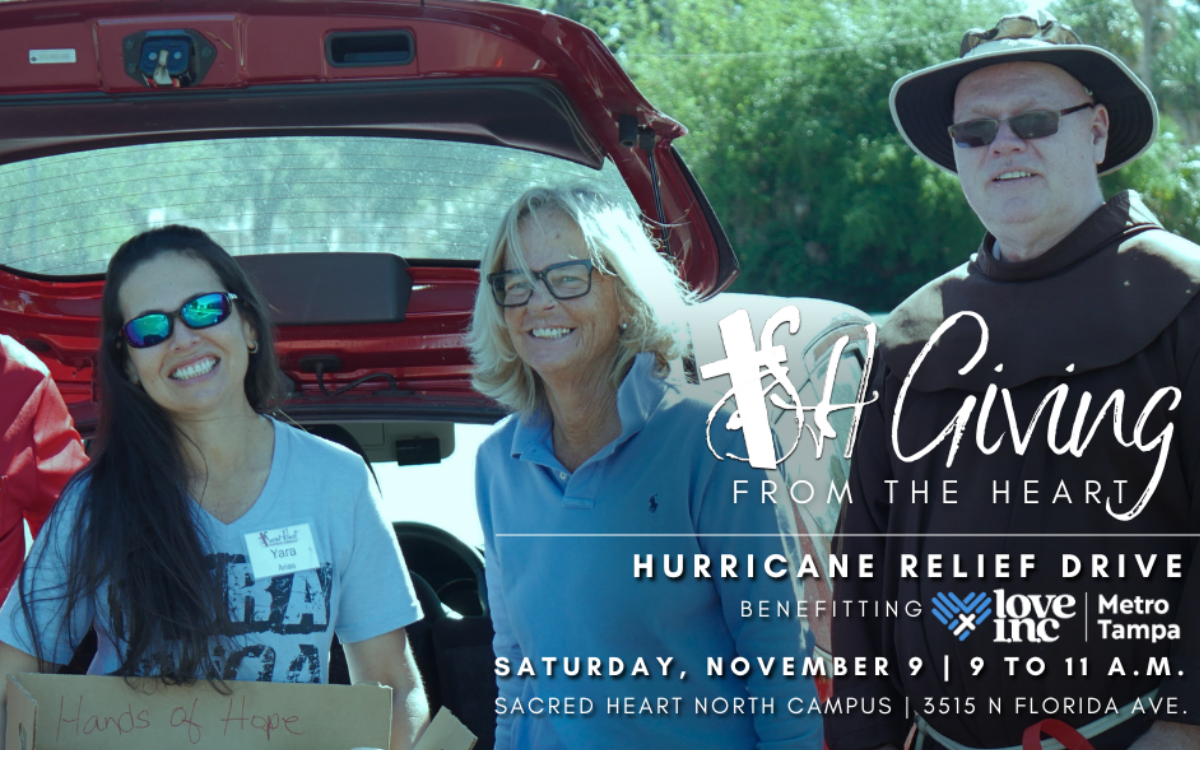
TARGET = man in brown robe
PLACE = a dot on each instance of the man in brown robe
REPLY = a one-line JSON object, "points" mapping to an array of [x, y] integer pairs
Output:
{"points": [[1027, 487]]}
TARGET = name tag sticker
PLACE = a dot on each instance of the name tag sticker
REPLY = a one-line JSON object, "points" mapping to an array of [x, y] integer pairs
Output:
{"points": [[66, 55], [275, 552]]}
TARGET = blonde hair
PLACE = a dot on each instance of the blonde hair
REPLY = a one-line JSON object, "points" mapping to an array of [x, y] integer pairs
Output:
{"points": [[649, 292]]}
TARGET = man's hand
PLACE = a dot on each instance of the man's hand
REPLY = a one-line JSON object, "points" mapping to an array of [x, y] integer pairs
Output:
{"points": [[1168, 735]]}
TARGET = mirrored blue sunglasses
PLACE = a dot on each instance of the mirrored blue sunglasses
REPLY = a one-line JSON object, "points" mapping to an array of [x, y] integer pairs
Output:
{"points": [[201, 312]]}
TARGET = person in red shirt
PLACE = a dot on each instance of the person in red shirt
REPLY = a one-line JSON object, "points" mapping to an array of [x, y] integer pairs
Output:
{"points": [[39, 451]]}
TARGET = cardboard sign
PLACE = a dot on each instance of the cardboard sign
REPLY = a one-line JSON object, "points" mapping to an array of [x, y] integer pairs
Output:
{"points": [[446, 732], [52, 711]]}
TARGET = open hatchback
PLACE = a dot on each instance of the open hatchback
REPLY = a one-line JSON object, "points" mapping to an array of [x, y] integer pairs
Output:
{"points": [[356, 156]]}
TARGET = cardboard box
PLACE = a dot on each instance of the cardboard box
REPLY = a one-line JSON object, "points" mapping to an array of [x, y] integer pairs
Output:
{"points": [[51, 711], [446, 732]]}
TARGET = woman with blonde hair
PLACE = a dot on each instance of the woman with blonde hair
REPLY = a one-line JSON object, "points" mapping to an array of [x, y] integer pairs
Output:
{"points": [[600, 471]]}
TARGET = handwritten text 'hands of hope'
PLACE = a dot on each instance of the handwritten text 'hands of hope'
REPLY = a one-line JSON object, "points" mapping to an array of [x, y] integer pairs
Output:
{"points": [[748, 366]]}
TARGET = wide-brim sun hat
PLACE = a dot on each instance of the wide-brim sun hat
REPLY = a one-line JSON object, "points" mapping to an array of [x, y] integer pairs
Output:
{"points": [[923, 102]]}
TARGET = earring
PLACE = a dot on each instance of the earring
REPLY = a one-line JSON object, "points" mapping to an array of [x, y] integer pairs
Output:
{"points": [[252, 348], [624, 325]]}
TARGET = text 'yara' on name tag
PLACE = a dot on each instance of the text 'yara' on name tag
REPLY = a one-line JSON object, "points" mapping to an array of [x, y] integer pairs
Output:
{"points": [[274, 552]]}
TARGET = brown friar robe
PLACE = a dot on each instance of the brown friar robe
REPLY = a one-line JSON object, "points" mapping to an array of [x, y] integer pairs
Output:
{"points": [[1110, 309]]}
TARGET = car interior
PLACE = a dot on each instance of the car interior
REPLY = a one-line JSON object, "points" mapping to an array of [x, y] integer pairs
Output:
{"points": [[452, 644]]}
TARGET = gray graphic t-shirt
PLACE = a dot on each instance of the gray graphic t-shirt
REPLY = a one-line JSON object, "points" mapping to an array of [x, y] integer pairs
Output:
{"points": [[320, 500]]}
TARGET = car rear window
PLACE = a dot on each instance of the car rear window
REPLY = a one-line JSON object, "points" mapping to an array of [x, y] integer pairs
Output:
{"points": [[420, 199]]}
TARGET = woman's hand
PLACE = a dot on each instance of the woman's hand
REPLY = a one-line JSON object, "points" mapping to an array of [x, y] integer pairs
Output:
{"points": [[387, 659], [12, 661]]}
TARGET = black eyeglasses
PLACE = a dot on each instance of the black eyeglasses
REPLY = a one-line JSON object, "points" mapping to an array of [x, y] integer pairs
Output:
{"points": [[1029, 125], [201, 312], [566, 280]]}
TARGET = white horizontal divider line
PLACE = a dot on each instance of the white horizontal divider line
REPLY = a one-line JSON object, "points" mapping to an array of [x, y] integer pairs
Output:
{"points": [[793, 534]]}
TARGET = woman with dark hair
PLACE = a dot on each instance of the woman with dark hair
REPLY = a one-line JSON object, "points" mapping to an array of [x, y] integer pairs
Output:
{"points": [[168, 542]]}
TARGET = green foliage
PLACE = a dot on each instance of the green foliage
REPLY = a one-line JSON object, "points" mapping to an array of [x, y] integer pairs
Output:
{"points": [[1168, 175], [1111, 24], [1170, 63], [792, 139]]}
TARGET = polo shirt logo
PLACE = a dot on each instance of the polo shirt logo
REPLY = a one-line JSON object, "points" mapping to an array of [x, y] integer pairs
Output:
{"points": [[653, 503]]}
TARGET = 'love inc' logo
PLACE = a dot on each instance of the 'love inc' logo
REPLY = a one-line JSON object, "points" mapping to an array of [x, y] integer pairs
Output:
{"points": [[961, 616]]}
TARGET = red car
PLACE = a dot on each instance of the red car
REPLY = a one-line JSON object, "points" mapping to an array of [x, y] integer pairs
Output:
{"points": [[356, 156]]}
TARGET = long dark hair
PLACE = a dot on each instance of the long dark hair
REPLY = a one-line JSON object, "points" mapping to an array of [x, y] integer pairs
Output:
{"points": [[136, 531]]}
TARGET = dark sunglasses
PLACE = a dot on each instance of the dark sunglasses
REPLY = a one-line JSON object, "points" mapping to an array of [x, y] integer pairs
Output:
{"points": [[566, 280], [1029, 125], [201, 312]]}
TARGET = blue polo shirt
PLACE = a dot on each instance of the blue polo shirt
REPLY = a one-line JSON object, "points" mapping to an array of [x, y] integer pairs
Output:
{"points": [[561, 549]]}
